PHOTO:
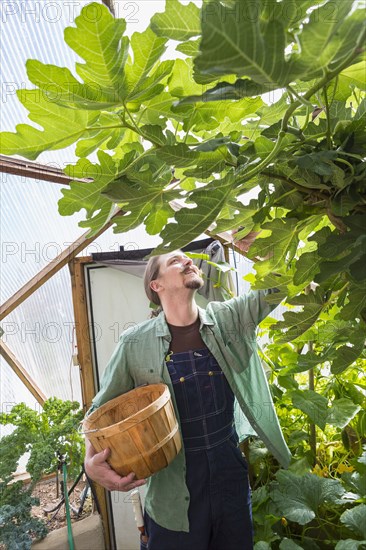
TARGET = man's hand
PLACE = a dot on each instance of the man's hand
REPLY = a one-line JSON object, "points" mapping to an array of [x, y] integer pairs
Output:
{"points": [[98, 469]]}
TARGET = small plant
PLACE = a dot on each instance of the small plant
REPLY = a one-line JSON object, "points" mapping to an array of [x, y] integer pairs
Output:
{"points": [[44, 435]]}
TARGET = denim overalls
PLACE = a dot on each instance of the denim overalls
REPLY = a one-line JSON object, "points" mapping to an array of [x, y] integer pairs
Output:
{"points": [[216, 475]]}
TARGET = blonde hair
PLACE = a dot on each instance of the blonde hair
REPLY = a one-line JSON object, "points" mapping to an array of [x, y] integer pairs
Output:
{"points": [[152, 273]]}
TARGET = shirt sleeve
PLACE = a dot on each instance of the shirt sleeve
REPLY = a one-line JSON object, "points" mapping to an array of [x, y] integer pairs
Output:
{"points": [[116, 378], [253, 306]]}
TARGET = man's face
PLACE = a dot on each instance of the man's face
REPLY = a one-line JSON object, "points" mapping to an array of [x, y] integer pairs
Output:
{"points": [[177, 271]]}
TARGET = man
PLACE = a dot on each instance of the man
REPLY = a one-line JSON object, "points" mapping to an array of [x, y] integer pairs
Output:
{"points": [[208, 358]]}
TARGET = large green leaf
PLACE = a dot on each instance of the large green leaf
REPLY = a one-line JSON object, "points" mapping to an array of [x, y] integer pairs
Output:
{"points": [[307, 267], [278, 245], [336, 244], [355, 519], [189, 48], [178, 155], [287, 544], [350, 544], [299, 497], [353, 76], [242, 218], [287, 10], [356, 303], [181, 81], [30, 142], [178, 22], [127, 81], [147, 49], [355, 482], [235, 40], [270, 114], [321, 38], [208, 163], [88, 195], [209, 115], [262, 545], [350, 37], [131, 219], [158, 216], [297, 322], [225, 90], [194, 221], [60, 86], [348, 353], [304, 362], [140, 188], [341, 412], [107, 133], [313, 404], [154, 133], [152, 85], [98, 39], [158, 109]]}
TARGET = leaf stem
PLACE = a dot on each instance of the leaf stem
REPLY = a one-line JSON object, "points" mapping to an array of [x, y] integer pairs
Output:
{"points": [[104, 127], [309, 140], [265, 162], [334, 89], [308, 111], [136, 129], [296, 185], [327, 111], [300, 97], [176, 130], [344, 161], [356, 98], [189, 125], [132, 120]]}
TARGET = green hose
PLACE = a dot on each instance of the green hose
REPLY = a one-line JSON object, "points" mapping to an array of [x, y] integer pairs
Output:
{"points": [[67, 508]]}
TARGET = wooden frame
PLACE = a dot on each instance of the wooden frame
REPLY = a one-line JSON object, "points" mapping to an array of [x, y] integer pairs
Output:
{"points": [[88, 390], [21, 372]]}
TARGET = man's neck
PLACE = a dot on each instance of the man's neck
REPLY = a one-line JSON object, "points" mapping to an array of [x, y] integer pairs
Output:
{"points": [[179, 312]]}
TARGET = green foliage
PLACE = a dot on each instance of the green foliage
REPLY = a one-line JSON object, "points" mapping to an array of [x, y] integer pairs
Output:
{"points": [[305, 152], [43, 435], [299, 498], [178, 145]]}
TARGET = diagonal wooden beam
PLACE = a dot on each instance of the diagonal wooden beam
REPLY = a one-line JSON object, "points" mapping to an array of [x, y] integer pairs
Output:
{"points": [[53, 267], [21, 372], [39, 172]]}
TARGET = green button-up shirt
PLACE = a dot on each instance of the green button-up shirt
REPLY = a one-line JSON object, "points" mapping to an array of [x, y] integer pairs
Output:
{"points": [[229, 331]]}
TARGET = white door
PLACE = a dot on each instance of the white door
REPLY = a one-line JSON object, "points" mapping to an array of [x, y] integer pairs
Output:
{"points": [[117, 300]]}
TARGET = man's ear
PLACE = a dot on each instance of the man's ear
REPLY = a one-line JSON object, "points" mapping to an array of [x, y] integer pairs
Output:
{"points": [[155, 286]]}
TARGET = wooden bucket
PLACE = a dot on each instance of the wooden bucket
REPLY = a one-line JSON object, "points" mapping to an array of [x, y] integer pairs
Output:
{"points": [[139, 427]]}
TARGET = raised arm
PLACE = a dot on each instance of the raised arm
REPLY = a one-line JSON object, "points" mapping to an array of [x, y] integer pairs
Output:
{"points": [[253, 306]]}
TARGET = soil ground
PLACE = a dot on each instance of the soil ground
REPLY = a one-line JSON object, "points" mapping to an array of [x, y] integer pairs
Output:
{"points": [[46, 491]]}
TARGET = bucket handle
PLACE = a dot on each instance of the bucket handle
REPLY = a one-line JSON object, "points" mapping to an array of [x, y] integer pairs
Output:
{"points": [[80, 430]]}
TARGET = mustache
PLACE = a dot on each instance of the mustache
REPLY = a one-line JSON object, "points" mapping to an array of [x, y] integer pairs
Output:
{"points": [[193, 268]]}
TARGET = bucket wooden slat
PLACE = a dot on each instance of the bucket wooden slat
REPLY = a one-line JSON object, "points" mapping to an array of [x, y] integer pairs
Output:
{"points": [[139, 427]]}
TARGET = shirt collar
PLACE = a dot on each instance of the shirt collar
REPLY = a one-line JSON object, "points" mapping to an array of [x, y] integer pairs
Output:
{"points": [[162, 328], [204, 317]]}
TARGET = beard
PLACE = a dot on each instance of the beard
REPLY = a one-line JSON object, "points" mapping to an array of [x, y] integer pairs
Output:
{"points": [[194, 284]]}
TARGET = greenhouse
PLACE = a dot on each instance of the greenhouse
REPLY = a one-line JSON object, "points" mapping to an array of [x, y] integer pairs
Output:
{"points": [[183, 252]]}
